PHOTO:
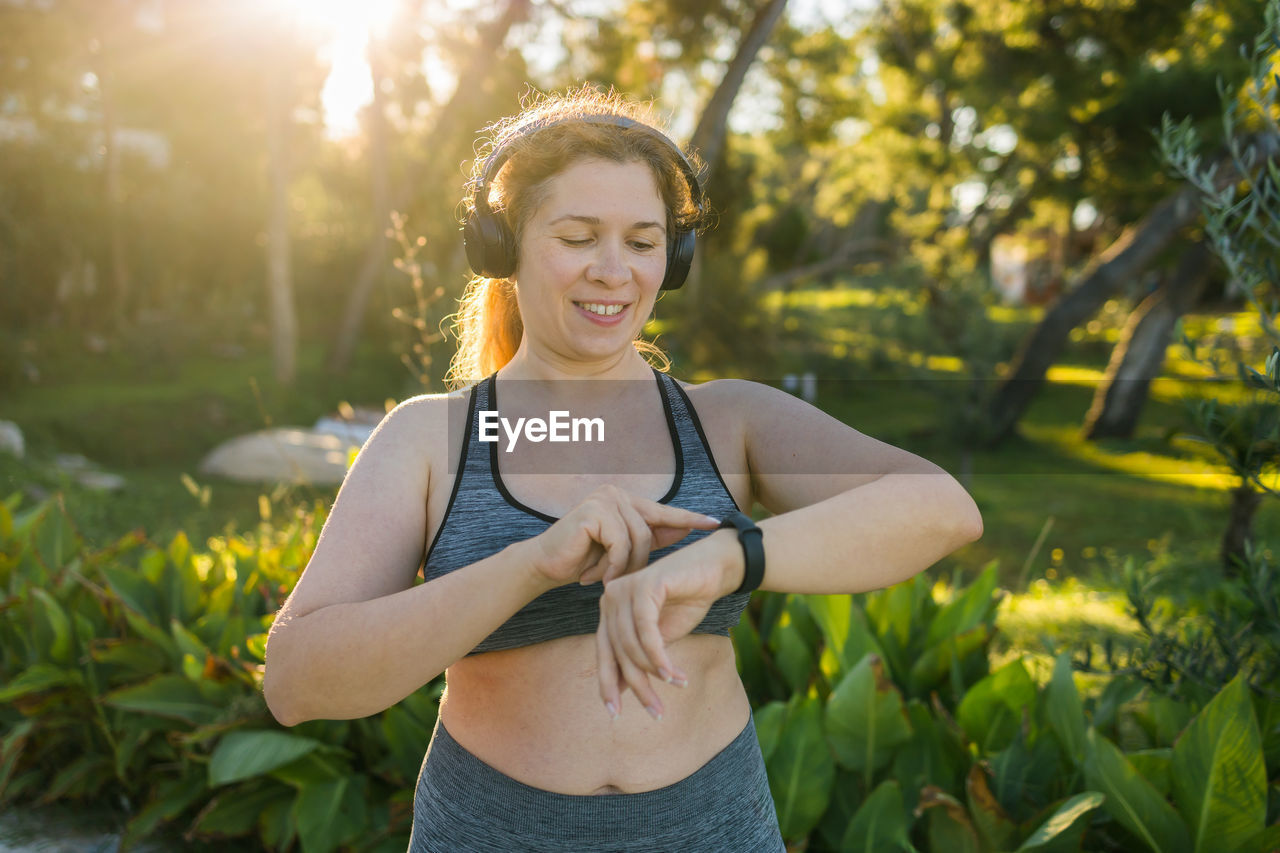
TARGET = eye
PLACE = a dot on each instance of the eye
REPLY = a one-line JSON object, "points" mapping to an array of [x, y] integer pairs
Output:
{"points": [[641, 245], [569, 242]]}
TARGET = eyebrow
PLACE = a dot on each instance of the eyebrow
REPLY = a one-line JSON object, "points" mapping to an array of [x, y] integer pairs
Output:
{"points": [[595, 220]]}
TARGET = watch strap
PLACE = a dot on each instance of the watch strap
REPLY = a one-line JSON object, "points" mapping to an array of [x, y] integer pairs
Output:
{"points": [[751, 538]]}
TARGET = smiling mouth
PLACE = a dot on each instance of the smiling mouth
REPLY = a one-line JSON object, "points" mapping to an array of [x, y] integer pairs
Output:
{"points": [[600, 309]]}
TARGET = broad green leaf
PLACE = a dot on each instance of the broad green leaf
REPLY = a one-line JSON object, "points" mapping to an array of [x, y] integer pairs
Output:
{"points": [[59, 625], [769, 720], [967, 610], [134, 590], [235, 810], [136, 657], [994, 826], [41, 676], [880, 824], [1219, 781], [329, 814], [990, 710], [801, 769], [1066, 713], [1132, 800], [865, 718], [949, 827], [172, 797], [832, 613], [167, 696], [1267, 841], [1154, 765], [935, 665], [11, 747], [791, 652], [933, 756], [1059, 826], [245, 754]]}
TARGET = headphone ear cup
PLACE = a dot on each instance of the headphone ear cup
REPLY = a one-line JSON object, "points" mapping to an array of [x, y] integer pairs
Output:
{"points": [[679, 259], [490, 247]]}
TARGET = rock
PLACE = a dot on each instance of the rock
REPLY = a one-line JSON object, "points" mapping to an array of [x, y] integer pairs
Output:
{"points": [[11, 439], [87, 474], [352, 432], [285, 454]]}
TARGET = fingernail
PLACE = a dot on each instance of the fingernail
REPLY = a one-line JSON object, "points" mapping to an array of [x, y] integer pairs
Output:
{"points": [[612, 708], [711, 519], [680, 682], [657, 715], [666, 676]]}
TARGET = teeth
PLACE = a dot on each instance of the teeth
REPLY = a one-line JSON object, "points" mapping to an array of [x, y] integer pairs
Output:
{"points": [[602, 310]]}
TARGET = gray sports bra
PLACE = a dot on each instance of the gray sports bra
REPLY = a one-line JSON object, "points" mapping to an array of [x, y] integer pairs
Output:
{"points": [[482, 518]]}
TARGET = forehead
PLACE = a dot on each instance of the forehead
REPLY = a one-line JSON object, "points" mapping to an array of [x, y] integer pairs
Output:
{"points": [[604, 188]]}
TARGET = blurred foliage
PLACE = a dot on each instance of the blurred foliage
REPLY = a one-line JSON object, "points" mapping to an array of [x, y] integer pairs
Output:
{"points": [[132, 672]]}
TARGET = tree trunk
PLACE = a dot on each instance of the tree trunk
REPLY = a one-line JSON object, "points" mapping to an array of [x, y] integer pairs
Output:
{"points": [[284, 322], [1122, 261], [708, 137], [1244, 504], [375, 257], [1139, 354], [472, 77]]}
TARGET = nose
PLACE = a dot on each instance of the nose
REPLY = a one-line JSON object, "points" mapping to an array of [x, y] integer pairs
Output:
{"points": [[608, 265]]}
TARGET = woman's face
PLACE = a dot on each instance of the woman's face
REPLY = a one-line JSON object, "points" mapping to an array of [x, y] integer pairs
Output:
{"points": [[591, 260]]}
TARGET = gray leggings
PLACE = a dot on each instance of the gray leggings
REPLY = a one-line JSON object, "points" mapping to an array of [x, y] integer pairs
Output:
{"points": [[463, 804]]}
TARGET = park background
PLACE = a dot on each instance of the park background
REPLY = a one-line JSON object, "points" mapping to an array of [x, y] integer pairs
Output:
{"points": [[1034, 242]]}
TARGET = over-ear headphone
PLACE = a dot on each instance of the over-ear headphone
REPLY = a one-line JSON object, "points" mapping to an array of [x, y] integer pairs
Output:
{"points": [[491, 247]]}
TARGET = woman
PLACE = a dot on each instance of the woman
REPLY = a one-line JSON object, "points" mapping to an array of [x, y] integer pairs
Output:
{"points": [[579, 593]]}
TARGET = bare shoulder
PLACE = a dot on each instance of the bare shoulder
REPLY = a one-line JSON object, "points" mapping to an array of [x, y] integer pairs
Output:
{"points": [[414, 433], [733, 398]]}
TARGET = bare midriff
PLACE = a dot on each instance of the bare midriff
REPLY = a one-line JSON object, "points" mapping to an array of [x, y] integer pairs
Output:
{"points": [[535, 714]]}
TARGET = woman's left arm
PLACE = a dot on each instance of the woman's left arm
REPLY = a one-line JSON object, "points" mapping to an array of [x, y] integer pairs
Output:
{"points": [[851, 514]]}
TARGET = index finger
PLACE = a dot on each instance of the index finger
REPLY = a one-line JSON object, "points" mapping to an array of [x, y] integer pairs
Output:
{"points": [[664, 515]]}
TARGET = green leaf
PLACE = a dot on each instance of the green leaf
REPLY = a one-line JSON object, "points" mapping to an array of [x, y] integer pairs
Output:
{"points": [[244, 754], [40, 677], [993, 825], [800, 769], [971, 608], [167, 696], [1267, 841], [865, 718], [879, 824], [1155, 766], [136, 593], [136, 658], [235, 810], [933, 756], [1131, 800], [60, 626], [1060, 825], [769, 720], [329, 814], [990, 710], [949, 828], [172, 797], [1219, 781], [932, 667], [1066, 713]]}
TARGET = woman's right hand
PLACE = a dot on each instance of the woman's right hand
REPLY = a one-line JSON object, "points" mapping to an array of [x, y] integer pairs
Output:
{"points": [[612, 532]]}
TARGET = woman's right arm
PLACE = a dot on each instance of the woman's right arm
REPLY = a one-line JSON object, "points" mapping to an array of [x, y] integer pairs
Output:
{"points": [[356, 636]]}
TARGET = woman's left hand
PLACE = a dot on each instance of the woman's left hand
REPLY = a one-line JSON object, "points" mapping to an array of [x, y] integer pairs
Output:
{"points": [[643, 611]]}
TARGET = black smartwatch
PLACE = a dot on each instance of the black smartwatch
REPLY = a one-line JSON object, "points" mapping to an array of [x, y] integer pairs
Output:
{"points": [[751, 538]]}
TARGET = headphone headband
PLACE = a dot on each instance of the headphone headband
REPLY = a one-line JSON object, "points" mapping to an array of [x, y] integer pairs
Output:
{"points": [[499, 156], [490, 245]]}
